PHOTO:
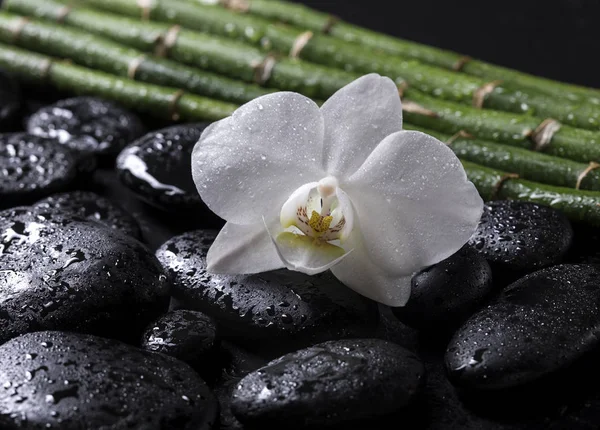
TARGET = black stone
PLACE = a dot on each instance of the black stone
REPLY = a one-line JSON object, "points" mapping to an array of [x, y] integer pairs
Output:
{"points": [[521, 236], [58, 272], [237, 363], [445, 294], [87, 125], [32, 167], [328, 384], [10, 100], [73, 381], [280, 309], [538, 325], [91, 206], [157, 167], [390, 328], [187, 335], [441, 407]]}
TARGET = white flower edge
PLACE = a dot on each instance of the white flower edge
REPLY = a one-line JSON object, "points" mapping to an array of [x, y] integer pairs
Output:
{"points": [[290, 178]]}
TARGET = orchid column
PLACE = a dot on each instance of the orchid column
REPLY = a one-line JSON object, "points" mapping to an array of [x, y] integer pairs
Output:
{"points": [[340, 187]]}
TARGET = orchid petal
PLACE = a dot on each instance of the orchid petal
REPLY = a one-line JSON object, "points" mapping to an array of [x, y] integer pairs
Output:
{"points": [[414, 201], [246, 166], [359, 273], [243, 249], [357, 118], [304, 254]]}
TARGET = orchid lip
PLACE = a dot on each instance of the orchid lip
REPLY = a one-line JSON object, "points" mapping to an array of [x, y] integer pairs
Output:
{"points": [[320, 210]]}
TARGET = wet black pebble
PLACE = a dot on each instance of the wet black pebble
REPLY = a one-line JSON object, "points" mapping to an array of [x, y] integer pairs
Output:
{"points": [[33, 167], [94, 207], [10, 100], [538, 325], [72, 381], [87, 124], [328, 384], [59, 272], [237, 363], [157, 167], [446, 293], [521, 236], [280, 309], [187, 335]]}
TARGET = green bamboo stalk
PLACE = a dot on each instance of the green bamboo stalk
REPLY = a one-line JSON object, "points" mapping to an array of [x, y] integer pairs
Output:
{"points": [[221, 55], [165, 102], [492, 184], [99, 53], [332, 52], [238, 60], [502, 127], [307, 18], [577, 205], [534, 166]]}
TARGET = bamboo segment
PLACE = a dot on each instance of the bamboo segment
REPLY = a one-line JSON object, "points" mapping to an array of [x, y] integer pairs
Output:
{"points": [[165, 102]]}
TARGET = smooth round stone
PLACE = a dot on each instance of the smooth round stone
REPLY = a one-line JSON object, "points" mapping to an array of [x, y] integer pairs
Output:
{"points": [[393, 330], [187, 335], [448, 292], [59, 272], [538, 325], [273, 309], [328, 384], [93, 207], [10, 100], [237, 364], [522, 236], [87, 124], [157, 167], [72, 381], [32, 167]]}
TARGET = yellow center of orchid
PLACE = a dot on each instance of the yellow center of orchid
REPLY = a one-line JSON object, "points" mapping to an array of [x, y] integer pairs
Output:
{"points": [[330, 218], [319, 223]]}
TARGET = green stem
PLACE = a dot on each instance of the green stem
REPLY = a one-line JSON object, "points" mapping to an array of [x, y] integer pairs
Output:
{"points": [[332, 52], [578, 206], [99, 53], [306, 18], [502, 127], [221, 55], [160, 101], [535, 166]]}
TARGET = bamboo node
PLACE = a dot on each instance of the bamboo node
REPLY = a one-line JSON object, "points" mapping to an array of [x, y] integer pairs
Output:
{"points": [[543, 134], [501, 182], [45, 68], [173, 105], [299, 44], [403, 86], [167, 41], [18, 28], [592, 166], [146, 7], [133, 66], [412, 107], [480, 94], [62, 14], [460, 63], [236, 5], [462, 134], [329, 24], [264, 69]]}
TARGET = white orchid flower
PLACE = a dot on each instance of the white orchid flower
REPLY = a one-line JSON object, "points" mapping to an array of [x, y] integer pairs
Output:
{"points": [[340, 187]]}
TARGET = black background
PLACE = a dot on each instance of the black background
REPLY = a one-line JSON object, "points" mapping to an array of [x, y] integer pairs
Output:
{"points": [[558, 39]]}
